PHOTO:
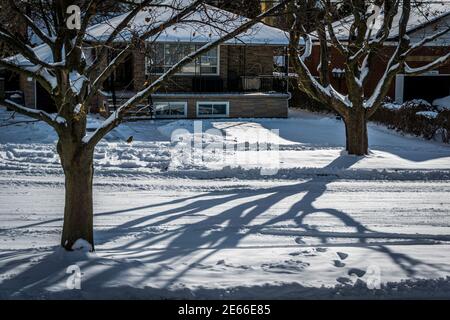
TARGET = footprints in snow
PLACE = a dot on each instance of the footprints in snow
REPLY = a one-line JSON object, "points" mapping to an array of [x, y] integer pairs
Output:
{"points": [[351, 272], [287, 266], [342, 255], [219, 266], [356, 271], [230, 265], [339, 263], [344, 280], [308, 253], [290, 266]]}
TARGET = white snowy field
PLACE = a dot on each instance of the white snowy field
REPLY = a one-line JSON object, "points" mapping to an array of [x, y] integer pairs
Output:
{"points": [[321, 225]]}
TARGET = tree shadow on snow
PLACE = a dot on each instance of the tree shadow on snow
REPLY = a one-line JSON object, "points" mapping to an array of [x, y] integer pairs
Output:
{"points": [[161, 248]]}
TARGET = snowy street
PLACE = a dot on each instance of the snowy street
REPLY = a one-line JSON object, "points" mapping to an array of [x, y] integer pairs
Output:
{"points": [[325, 225]]}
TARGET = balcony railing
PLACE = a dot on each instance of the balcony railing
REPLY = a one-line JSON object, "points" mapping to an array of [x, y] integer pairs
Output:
{"points": [[240, 84]]}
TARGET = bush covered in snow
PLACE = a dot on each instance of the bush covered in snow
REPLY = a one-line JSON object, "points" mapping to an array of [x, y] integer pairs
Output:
{"points": [[412, 118], [417, 117]]}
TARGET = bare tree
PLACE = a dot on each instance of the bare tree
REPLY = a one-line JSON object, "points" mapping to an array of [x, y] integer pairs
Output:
{"points": [[73, 81], [359, 38]]}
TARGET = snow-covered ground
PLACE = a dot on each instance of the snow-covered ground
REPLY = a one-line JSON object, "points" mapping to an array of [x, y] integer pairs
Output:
{"points": [[321, 224]]}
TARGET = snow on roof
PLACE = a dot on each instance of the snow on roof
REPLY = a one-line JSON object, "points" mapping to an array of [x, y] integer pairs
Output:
{"points": [[202, 26], [43, 52], [422, 13]]}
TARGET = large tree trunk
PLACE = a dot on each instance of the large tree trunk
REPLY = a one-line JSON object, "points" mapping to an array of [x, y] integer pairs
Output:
{"points": [[78, 167], [356, 133]]}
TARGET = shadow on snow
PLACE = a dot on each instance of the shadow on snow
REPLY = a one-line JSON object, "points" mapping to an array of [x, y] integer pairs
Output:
{"points": [[184, 240]]}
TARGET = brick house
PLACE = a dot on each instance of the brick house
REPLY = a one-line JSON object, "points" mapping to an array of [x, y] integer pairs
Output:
{"points": [[424, 21], [237, 79]]}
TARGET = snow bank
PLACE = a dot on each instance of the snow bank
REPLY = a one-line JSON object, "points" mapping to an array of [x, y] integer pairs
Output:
{"points": [[307, 145]]}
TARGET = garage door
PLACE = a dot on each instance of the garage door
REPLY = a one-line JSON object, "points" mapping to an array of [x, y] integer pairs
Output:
{"points": [[426, 87]]}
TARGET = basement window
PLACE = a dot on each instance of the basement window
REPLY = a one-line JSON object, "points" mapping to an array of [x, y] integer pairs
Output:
{"points": [[213, 109], [170, 109]]}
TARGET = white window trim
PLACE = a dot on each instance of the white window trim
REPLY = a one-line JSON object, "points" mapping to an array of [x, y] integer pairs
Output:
{"points": [[184, 74], [184, 103], [227, 103], [399, 88]]}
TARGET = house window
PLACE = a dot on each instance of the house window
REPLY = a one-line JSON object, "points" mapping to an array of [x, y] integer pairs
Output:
{"points": [[279, 61], [170, 109], [164, 55], [213, 109]]}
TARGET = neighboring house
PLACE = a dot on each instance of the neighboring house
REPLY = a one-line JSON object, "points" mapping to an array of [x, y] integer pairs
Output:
{"points": [[234, 80], [9, 82], [425, 20]]}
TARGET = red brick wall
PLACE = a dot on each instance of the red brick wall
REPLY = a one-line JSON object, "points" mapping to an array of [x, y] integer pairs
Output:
{"points": [[138, 70]]}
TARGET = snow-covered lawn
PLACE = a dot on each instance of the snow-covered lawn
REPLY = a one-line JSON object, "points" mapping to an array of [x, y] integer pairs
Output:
{"points": [[323, 225]]}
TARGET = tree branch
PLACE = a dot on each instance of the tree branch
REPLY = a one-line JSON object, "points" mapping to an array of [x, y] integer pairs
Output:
{"points": [[23, 49], [426, 40], [394, 65], [33, 74], [46, 39], [117, 30], [32, 113], [98, 82], [430, 66]]}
